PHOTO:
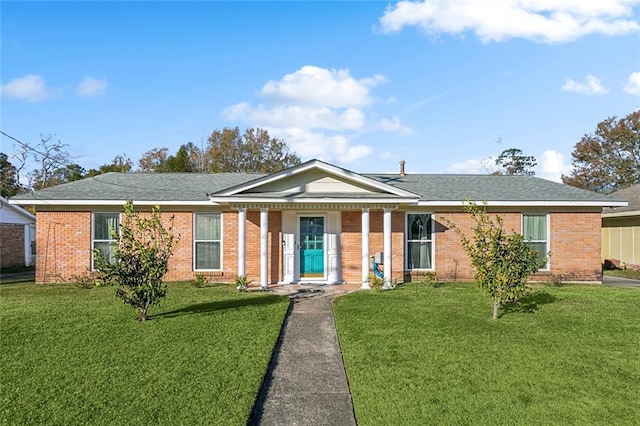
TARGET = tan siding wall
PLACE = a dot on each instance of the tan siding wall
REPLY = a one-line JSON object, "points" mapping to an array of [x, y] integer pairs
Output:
{"points": [[621, 239]]}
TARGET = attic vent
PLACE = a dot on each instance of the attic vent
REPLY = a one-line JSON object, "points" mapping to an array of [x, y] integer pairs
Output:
{"points": [[402, 162]]}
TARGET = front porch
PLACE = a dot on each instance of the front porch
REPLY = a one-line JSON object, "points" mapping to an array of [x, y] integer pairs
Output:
{"points": [[308, 248]]}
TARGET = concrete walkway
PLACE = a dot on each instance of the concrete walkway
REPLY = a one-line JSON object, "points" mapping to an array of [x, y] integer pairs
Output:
{"points": [[306, 383], [620, 282]]}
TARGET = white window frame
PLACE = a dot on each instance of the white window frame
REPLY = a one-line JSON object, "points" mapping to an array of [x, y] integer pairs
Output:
{"points": [[547, 265], [407, 241], [93, 234], [207, 241]]}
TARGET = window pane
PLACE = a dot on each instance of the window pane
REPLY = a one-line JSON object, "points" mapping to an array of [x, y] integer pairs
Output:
{"points": [[208, 255], [541, 250], [419, 227], [207, 227], [534, 227], [106, 250], [104, 223], [419, 255]]}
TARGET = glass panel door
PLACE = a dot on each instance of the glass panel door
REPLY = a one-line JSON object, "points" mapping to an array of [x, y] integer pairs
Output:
{"points": [[312, 247]]}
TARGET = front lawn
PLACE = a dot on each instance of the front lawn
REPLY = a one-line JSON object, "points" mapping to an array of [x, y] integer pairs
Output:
{"points": [[433, 355], [75, 356]]}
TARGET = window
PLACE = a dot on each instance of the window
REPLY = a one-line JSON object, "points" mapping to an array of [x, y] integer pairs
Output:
{"points": [[104, 225], [419, 241], [534, 230], [207, 241]]}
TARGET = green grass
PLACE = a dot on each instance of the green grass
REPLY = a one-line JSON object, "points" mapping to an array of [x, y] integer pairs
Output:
{"points": [[427, 355], [74, 356], [624, 273]]}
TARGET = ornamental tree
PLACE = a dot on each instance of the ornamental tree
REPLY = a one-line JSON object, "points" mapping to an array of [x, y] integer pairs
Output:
{"points": [[502, 261], [141, 259]]}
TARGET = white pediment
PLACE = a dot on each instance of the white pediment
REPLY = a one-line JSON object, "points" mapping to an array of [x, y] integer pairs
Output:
{"points": [[312, 178], [313, 182]]}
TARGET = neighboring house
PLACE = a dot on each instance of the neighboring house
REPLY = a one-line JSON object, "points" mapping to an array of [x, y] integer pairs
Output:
{"points": [[621, 228], [318, 223], [17, 236]]}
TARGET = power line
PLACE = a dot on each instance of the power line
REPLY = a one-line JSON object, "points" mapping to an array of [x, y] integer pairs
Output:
{"points": [[30, 148]]}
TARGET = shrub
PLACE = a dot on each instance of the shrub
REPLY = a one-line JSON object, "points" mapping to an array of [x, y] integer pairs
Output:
{"points": [[502, 261], [141, 259]]}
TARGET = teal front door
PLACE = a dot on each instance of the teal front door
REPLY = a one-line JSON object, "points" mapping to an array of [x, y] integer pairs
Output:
{"points": [[312, 247]]}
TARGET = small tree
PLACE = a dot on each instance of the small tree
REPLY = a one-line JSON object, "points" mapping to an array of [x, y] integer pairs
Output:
{"points": [[502, 261], [141, 259]]}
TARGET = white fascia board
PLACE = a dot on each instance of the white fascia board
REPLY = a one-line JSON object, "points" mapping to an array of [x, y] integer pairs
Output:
{"points": [[254, 200], [527, 203], [106, 203], [328, 168], [622, 214]]}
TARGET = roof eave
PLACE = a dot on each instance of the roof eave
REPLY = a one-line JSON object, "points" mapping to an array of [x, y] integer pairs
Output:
{"points": [[622, 214], [301, 200], [542, 203], [108, 202]]}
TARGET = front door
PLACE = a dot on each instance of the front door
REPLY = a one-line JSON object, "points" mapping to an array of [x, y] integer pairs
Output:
{"points": [[312, 247]]}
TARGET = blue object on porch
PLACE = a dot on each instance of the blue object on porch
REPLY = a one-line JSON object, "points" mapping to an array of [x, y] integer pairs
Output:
{"points": [[376, 269]]}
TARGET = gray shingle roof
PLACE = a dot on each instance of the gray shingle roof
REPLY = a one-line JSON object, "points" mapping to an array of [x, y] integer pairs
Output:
{"points": [[142, 187], [450, 187], [194, 187], [630, 194]]}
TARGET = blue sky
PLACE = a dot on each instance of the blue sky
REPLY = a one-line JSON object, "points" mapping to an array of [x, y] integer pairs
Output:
{"points": [[445, 86]]}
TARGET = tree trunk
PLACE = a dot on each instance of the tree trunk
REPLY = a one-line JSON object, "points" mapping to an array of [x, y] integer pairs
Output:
{"points": [[496, 305], [142, 312]]}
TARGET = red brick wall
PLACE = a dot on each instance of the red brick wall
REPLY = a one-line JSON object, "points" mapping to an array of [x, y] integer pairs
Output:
{"points": [[575, 247], [63, 244], [11, 245], [451, 261], [351, 246], [352, 243], [63, 241]]}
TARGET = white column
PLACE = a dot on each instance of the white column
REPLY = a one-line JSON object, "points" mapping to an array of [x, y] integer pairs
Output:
{"points": [[386, 231], [242, 241], [264, 248], [27, 244], [365, 248]]}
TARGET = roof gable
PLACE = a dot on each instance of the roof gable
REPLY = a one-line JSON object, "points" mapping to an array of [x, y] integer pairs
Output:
{"points": [[315, 177], [632, 195], [14, 214]]}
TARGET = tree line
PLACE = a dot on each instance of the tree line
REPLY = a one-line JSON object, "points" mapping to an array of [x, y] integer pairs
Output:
{"points": [[226, 150], [603, 161]]}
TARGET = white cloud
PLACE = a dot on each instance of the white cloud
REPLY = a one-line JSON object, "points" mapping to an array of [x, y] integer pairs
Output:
{"points": [[394, 125], [293, 115], [592, 86], [329, 148], [90, 86], [551, 166], [473, 166], [633, 84], [315, 86], [548, 21], [30, 88], [317, 111]]}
